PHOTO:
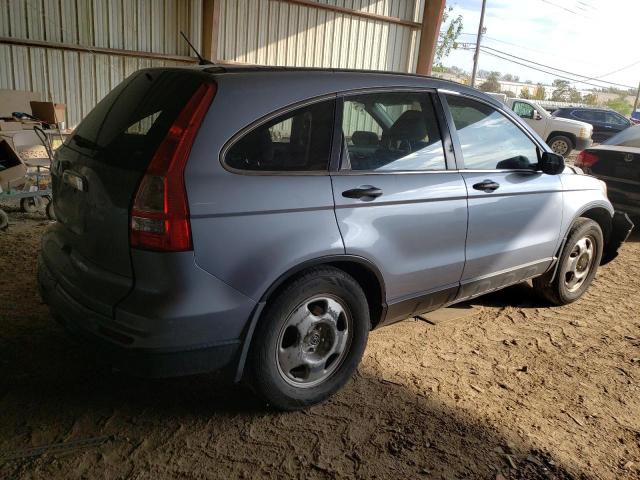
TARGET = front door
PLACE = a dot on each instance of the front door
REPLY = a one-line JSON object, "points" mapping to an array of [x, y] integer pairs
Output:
{"points": [[514, 211], [397, 205], [529, 114]]}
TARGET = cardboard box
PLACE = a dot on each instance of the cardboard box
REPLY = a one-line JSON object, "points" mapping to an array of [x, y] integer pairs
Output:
{"points": [[12, 169], [16, 101], [48, 112], [10, 126]]}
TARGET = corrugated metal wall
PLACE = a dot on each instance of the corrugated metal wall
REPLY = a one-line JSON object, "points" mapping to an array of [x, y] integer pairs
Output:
{"points": [[77, 79], [274, 32], [270, 32]]}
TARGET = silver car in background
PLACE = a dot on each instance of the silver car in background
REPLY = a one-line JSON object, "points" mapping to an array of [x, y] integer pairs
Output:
{"points": [[261, 221]]}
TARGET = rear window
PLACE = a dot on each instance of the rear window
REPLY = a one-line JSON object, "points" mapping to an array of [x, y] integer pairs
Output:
{"points": [[126, 127], [296, 141], [629, 137]]}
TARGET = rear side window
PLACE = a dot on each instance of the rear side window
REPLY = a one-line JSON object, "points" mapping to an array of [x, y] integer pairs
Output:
{"points": [[489, 140], [391, 132], [296, 141], [126, 127]]}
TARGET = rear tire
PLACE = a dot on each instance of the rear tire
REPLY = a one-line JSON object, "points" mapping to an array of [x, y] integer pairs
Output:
{"points": [[561, 145], [51, 212], [31, 204], [4, 220], [310, 339], [577, 265]]}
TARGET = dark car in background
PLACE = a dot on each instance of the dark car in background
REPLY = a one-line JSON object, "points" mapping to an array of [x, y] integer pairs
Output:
{"points": [[635, 117], [606, 123], [617, 162]]}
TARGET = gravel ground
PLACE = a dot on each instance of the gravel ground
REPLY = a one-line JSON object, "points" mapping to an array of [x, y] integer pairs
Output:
{"points": [[503, 387]]}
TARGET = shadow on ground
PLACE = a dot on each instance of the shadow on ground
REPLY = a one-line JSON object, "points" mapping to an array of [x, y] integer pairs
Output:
{"points": [[56, 393]]}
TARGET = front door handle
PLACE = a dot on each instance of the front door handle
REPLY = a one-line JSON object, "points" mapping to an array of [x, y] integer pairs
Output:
{"points": [[362, 192], [487, 186]]}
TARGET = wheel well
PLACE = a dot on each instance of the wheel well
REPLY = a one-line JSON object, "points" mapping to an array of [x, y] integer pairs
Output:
{"points": [[602, 217], [570, 136], [370, 281]]}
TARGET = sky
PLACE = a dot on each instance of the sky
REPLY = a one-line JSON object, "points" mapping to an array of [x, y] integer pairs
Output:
{"points": [[588, 37]]}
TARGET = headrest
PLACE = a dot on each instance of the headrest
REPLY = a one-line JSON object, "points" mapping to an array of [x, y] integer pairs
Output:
{"points": [[362, 138], [409, 126]]}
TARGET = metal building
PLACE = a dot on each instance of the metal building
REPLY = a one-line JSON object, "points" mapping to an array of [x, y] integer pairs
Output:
{"points": [[75, 51]]}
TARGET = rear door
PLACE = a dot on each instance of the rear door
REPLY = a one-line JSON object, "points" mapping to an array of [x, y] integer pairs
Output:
{"points": [[396, 202], [95, 175], [515, 212]]}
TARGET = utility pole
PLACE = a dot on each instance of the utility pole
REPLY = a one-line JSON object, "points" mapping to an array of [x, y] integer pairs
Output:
{"points": [[635, 104], [479, 39]]}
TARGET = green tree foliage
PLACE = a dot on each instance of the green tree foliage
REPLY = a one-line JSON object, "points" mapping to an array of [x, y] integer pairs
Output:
{"points": [[448, 37], [491, 84], [540, 93], [507, 77], [524, 93], [562, 91], [509, 94], [620, 105], [590, 99]]}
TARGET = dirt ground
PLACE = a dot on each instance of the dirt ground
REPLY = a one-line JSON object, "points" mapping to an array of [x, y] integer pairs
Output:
{"points": [[501, 388]]}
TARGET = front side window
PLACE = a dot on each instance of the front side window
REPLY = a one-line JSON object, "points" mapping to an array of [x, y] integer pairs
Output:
{"points": [[297, 141], [391, 132], [615, 119], [523, 110], [489, 140]]}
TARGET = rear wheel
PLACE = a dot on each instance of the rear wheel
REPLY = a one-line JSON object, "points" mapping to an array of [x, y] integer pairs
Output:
{"points": [[310, 339], [4, 220], [578, 264], [31, 204], [51, 213], [561, 145]]}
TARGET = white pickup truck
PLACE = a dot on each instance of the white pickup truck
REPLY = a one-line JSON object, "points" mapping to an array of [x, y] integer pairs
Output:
{"points": [[561, 134]]}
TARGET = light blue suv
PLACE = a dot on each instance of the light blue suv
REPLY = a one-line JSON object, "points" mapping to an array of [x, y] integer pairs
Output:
{"points": [[261, 221]]}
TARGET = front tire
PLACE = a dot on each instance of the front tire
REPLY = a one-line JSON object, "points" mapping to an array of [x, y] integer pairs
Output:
{"points": [[310, 339], [578, 264], [561, 145]]}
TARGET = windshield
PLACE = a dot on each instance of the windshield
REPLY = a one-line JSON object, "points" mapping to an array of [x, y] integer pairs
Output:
{"points": [[629, 137]]}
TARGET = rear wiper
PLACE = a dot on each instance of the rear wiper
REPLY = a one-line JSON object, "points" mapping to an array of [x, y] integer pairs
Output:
{"points": [[85, 142]]}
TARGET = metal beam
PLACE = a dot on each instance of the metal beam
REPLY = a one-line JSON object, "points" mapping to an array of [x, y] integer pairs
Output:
{"points": [[210, 26], [355, 13], [21, 42], [429, 32]]}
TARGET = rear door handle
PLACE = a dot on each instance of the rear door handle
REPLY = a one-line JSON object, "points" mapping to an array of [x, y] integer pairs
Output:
{"points": [[487, 186], [362, 192]]}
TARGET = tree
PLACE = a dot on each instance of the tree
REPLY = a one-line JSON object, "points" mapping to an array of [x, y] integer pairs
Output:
{"points": [[491, 84], [509, 93], [561, 91], [620, 105], [540, 92], [590, 99], [524, 93], [448, 37], [575, 95]]}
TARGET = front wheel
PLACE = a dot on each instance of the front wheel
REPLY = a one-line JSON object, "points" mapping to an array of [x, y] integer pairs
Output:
{"points": [[578, 264], [561, 145], [310, 339]]}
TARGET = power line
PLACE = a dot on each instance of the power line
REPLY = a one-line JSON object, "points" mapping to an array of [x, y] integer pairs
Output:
{"points": [[544, 71], [616, 71], [586, 77]]}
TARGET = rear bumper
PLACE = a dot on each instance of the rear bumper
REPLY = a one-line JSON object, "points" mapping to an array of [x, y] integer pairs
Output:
{"points": [[621, 227], [583, 143], [170, 343]]}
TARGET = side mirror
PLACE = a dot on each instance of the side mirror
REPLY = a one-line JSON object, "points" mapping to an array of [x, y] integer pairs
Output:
{"points": [[551, 163], [536, 115]]}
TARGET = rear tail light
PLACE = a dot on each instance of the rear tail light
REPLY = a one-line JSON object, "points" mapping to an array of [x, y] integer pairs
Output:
{"points": [[160, 213], [586, 159]]}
